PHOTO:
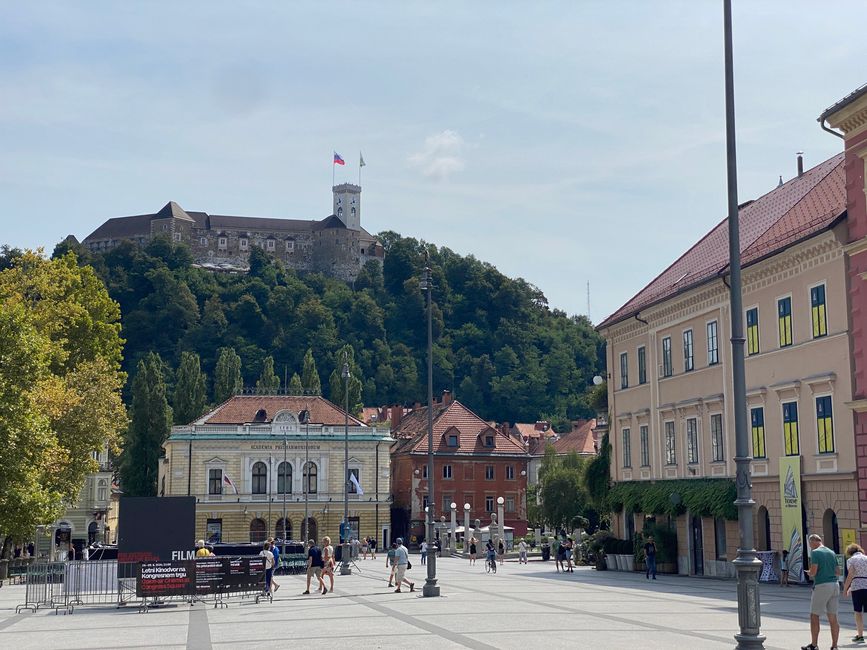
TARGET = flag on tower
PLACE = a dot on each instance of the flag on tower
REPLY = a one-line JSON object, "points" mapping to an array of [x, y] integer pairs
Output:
{"points": [[361, 162], [338, 160]]}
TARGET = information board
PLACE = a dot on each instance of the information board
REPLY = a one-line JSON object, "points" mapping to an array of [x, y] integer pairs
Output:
{"points": [[156, 529], [200, 577], [165, 578]]}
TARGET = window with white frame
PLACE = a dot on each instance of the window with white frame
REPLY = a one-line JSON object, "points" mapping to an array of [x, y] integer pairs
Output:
{"points": [[489, 472], [692, 441], [215, 481], [510, 472], [270, 244], [712, 344], [627, 447], [203, 241], [670, 444], [290, 246], [243, 243], [447, 471], [221, 243], [667, 369], [688, 351], [510, 503], [716, 437], [489, 503], [176, 236]]}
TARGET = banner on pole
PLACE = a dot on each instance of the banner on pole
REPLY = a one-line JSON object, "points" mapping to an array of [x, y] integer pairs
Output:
{"points": [[792, 518]]}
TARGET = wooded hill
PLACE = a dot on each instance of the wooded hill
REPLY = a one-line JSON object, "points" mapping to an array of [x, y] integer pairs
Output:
{"points": [[497, 344]]}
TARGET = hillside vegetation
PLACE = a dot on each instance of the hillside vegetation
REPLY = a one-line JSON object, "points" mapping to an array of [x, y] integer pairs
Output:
{"points": [[497, 344]]}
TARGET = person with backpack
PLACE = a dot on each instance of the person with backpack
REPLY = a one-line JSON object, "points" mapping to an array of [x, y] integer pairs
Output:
{"points": [[269, 566]]}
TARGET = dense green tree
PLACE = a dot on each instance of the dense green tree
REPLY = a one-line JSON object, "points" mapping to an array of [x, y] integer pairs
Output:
{"points": [[268, 381], [227, 375], [295, 386], [150, 425], [191, 394], [310, 376]]}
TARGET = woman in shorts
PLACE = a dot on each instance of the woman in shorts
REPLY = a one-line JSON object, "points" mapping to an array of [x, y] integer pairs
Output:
{"points": [[856, 586], [473, 550], [328, 560]]}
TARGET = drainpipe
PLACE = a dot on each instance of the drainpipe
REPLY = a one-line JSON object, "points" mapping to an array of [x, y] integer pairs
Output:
{"points": [[828, 129]]}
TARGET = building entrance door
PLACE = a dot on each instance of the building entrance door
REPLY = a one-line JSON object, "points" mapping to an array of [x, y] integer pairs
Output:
{"points": [[697, 547]]}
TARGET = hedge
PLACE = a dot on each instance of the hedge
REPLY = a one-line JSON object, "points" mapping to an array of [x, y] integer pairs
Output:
{"points": [[704, 497]]}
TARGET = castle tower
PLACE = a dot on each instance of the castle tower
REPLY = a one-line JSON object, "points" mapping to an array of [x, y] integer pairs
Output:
{"points": [[347, 204]]}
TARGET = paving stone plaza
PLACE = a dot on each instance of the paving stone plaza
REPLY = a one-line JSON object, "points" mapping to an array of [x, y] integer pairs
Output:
{"points": [[522, 606]]}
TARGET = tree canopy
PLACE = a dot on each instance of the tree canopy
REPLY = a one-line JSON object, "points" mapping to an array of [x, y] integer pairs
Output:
{"points": [[498, 346]]}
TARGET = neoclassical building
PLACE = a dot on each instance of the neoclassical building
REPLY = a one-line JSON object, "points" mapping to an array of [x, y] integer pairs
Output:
{"points": [[336, 245], [670, 375], [232, 461]]}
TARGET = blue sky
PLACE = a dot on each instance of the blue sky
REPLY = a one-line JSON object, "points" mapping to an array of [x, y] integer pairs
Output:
{"points": [[563, 142]]}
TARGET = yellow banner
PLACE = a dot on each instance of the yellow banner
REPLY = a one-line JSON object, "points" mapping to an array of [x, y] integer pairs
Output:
{"points": [[790, 502], [847, 536]]}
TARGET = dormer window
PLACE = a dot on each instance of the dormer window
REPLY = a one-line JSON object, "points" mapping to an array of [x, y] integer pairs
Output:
{"points": [[290, 246], [261, 415], [453, 440], [489, 441]]}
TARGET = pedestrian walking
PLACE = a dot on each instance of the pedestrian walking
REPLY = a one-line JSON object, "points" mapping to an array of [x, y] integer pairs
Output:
{"points": [[275, 551], [856, 586], [501, 551], [784, 569], [473, 550], [401, 559], [364, 547], [327, 563], [826, 591], [373, 548], [561, 556], [269, 565], [522, 552], [423, 549], [568, 546], [650, 558], [390, 562], [314, 565]]}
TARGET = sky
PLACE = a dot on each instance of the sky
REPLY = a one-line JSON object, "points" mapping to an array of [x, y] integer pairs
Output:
{"points": [[562, 142]]}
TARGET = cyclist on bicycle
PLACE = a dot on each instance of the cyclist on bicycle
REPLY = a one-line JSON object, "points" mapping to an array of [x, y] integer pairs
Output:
{"points": [[491, 555]]}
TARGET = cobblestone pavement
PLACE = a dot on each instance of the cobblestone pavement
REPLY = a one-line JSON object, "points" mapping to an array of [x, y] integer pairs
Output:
{"points": [[522, 606]]}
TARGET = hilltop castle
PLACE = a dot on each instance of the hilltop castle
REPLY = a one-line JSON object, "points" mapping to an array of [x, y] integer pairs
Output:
{"points": [[337, 245]]}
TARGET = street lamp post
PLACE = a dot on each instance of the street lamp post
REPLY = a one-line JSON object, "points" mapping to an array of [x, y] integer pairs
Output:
{"points": [[430, 588], [344, 553], [501, 522], [283, 532], [466, 530], [304, 417], [452, 541], [746, 563]]}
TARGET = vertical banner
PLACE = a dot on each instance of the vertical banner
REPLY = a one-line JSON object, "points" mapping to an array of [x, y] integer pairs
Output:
{"points": [[847, 536], [790, 504]]}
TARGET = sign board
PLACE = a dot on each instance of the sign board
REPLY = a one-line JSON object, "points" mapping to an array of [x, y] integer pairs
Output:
{"points": [[165, 578], [200, 577], [156, 529], [790, 503]]}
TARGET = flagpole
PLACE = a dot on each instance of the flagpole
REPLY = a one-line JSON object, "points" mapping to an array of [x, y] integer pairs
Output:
{"points": [[332, 170], [359, 168]]}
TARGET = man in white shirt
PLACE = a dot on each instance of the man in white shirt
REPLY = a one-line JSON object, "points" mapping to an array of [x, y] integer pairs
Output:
{"points": [[401, 559], [522, 552]]}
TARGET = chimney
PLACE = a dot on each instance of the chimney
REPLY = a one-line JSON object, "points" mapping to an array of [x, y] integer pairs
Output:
{"points": [[800, 164], [505, 428], [396, 415], [447, 397]]}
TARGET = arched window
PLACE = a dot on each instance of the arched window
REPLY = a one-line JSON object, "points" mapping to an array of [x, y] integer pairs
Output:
{"points": [[280, 533], [284, 478], [260, 478], [258, 531], [311, 478]]}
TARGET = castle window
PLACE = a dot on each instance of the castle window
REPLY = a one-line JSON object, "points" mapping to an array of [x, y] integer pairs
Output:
{"points": [[362, 251], [242, 243], [222, 243], [203, 241], [352, 212], [176, 236], [290, 246], [271, 243], [339, 212]]}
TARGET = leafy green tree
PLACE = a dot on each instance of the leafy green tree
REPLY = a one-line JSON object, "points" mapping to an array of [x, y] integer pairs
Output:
{"points": [[268, 381], [310, 376], [190, 396], [563, 496], [338, 384], [227, 375], [150, 425], [295, 386], [60, 385]]}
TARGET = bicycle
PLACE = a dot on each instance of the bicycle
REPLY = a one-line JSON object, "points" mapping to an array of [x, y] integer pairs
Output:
{"points": [[491, 564]]}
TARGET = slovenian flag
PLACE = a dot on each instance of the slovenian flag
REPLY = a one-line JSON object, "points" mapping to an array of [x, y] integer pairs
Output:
{"points": [[229, 482], [337, 159]]}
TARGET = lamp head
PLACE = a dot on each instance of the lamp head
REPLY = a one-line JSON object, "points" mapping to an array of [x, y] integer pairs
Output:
{"points": [[597, 380], [500, 501], [454, 505], [467, 507]]}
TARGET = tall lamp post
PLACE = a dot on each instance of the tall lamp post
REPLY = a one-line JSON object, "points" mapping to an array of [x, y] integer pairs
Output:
{"points": [[501, 522], [344, 553], [304, 418], [454, 524], [283, 468], [467, 530], [430, 588], [746, 563]]}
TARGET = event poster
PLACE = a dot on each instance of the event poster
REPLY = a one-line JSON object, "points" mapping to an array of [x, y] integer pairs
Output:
{"points": [[790, 504]]}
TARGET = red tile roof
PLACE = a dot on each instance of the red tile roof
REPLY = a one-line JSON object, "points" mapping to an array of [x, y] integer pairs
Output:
{"points": [[796, 210], [580, 439], [529, 430], [453, 418], [242, 409]]}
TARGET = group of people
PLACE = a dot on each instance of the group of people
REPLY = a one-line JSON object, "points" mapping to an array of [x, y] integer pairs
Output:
{"points": [[397, 559], [368, 545], [424, 548], [495, 550], [271, 553], [563, 551], [320, 564], [825, 573]]}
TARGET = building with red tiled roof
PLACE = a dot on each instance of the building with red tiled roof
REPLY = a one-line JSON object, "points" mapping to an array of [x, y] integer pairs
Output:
{"points": [[253, 456], [849, 115], [670, 372], [474, 463]]}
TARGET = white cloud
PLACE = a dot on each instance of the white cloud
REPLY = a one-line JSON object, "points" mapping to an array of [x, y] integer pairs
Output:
{"points": [[441, 156]]}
